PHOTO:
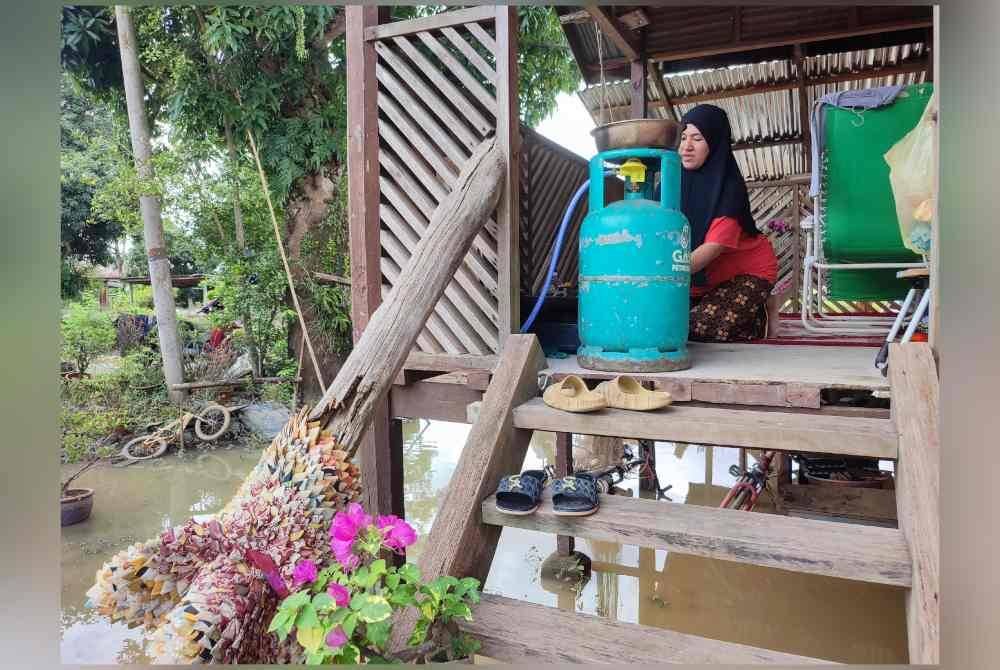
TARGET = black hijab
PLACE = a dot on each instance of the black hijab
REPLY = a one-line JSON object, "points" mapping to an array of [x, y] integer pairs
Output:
{"points": [[716, 188]]}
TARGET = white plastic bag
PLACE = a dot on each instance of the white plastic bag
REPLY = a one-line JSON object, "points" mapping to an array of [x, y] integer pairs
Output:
{"points": [[913, 176]]}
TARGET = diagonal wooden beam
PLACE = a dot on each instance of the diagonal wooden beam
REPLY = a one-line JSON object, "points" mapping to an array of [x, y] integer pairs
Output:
{"points": [[621, 36]]}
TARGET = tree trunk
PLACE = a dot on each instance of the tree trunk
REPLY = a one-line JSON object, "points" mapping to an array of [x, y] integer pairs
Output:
{"points": [[306, 211], [241, 244], [149, 205]]}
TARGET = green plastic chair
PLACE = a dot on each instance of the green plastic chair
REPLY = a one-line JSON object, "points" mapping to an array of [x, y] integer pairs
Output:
{"points": [[854, 246]]}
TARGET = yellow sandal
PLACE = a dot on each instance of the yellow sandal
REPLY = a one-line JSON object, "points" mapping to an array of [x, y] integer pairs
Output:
{"points": [[626, 393], [572, 395]]}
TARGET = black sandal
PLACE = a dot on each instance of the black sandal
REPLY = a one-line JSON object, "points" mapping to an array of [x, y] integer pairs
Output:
{"points": [[520, 494], [575, 495]]}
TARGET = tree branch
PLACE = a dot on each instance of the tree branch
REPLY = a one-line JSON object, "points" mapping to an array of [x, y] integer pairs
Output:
{"points": [[334, 29]]}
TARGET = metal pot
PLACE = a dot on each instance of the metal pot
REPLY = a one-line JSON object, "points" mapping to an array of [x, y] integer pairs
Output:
{"points": [[75, 506], [637, 133]]}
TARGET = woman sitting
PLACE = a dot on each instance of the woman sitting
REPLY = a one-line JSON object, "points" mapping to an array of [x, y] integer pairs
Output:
{"points": [[733, 266]]}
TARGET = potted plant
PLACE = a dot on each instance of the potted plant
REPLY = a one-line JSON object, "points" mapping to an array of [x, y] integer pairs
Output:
{"points": [[343, 612], [76, 504]]}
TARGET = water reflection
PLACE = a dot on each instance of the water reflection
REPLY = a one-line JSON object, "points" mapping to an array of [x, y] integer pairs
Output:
{"points": [[815, 616]]}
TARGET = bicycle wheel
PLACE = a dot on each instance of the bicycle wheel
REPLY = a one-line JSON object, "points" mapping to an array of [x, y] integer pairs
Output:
{"points": [[203, 419], [144, 447]]}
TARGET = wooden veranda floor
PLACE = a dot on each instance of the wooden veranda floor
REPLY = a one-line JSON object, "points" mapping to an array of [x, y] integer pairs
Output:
{"points": [[756, 374]]}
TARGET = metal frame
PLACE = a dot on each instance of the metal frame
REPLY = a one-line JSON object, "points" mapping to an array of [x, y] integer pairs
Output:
{"points": [[815, 317]]}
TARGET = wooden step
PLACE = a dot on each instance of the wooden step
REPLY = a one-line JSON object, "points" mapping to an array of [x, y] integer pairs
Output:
{"points": [[513, 631], [851, 551], [754, 429]]}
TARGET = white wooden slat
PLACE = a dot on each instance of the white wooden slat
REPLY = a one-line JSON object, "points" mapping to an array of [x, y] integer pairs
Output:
{"points": [[444, 142], [446, 308], [413, 80], [476, 289], [471, 54], [457, 98], [460, 71], [484, 37]]}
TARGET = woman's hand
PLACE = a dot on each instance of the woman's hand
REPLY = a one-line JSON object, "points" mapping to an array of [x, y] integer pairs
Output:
{"points": [[704, 255]]}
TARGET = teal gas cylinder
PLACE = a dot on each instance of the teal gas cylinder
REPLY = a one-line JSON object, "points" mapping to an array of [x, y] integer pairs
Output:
{"points": [[635, 267]]}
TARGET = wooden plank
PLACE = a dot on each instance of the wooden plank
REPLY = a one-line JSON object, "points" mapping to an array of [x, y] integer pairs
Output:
{"points": [[436, 402], [460, 71], [478, 380], [638, 89], [875, 505], [449, 362], [564, 466], [619, 35], [753, 429], [915, 406], [473, 56], [436, 22], [803, 90], [513, 631], [834, 367], [741, 394], [849, 551], [458, 543], [509, 208]]}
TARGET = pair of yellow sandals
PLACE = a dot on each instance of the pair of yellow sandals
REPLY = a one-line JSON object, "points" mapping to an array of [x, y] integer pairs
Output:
{"points": [[572, 395]]}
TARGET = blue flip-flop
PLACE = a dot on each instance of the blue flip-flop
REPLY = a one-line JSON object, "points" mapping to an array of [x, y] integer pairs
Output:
{"points": [[575, 495], [520, 494]]}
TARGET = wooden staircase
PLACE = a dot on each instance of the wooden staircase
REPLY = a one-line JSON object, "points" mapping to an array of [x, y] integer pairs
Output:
{"points": [[466, 532]]}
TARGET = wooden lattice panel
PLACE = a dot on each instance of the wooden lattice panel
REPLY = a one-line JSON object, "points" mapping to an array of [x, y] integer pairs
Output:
{"points": [[436, 103]]}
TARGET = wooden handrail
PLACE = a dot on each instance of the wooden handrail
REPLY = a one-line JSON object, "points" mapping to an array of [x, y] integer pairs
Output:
{"points": [[457, 17]]}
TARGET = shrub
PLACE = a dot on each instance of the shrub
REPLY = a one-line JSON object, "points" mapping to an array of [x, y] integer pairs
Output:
{"points": [[342, 613], [86, 333]]}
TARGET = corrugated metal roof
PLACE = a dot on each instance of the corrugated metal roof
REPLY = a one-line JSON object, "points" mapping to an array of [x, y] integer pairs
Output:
{"points": [[765, 116]]}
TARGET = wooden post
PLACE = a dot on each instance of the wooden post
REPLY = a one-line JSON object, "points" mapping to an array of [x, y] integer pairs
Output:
{"points": [[934, 322], [459, 543], [647, 451], [914, 383], [639, 90], [378, 463], [149, 205], [509, 142], [803, 106], [564, 466]]}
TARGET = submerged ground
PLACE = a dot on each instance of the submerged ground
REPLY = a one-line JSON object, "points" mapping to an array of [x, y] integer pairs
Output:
{"points": [[822, 617]]}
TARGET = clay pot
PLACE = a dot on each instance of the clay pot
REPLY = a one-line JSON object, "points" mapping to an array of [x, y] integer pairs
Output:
{"points": [[76, 505]]}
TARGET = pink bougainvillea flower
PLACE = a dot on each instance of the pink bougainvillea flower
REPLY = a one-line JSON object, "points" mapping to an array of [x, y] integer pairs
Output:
{"points": [[304, 573], [396, 533], [348, 523], [336, 638], [341, 596], [350, 562]]}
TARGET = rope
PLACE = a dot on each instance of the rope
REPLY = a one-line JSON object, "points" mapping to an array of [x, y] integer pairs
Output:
{"points": [[284, 260]]}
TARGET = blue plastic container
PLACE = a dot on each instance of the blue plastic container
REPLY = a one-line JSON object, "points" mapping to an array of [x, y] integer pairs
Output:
{"points": [[635, 275]]}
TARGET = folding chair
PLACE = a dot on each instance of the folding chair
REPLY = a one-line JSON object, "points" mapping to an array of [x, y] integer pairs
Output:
{"points": [[853, 243]]}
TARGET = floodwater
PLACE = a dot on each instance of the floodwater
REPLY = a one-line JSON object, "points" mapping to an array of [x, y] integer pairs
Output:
{"points": [[822, 617]]}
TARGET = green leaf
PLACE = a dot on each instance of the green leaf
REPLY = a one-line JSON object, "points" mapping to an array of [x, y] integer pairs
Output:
{"points": [[410, 573], [315, 657], [323, 601], [428, 609], [281, 619], [419, 633], [459, 610], [392, 580], [374, 609], [295, 601], [349, 624], [378, 633], [378, 568], [306, 623], [349, 655], [310, 638]]}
